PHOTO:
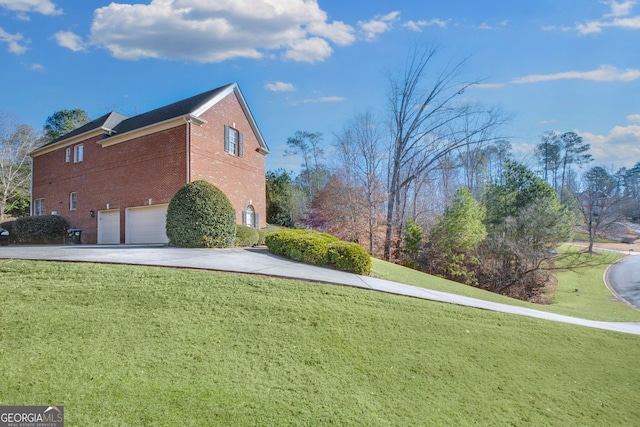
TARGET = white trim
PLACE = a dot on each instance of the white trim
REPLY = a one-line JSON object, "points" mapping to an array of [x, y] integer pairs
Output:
{"points": [[245, 108], [66, 142], [150, 129]]}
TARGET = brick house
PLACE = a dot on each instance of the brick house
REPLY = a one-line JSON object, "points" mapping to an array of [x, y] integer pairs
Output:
{"points": [[115, 176]]}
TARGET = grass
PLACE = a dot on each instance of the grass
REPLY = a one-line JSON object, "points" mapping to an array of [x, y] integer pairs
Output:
{"points": [[581, 236], [142, 346], [592, 300]]}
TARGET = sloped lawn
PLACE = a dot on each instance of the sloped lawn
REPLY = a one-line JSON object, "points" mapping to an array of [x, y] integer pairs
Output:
{"points": [[139, 346], [580, 292]]}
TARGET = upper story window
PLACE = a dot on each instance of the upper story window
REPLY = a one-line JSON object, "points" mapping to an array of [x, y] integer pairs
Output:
{"points": [[38, 207], [233, 141], [72, 201], [78, 153], [67, 155]]}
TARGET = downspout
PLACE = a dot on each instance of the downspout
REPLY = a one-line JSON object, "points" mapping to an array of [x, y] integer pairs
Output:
{"points": [[31, 190], [188, 153]]}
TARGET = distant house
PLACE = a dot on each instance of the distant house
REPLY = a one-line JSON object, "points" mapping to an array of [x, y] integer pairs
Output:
{"points": [[114, 177]]}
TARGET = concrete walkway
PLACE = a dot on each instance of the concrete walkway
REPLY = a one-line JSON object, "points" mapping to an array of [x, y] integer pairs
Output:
{"points": [[260, 261]]}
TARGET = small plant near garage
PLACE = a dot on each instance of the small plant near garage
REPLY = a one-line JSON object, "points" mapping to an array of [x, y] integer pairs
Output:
{"points": [[201, 216]]}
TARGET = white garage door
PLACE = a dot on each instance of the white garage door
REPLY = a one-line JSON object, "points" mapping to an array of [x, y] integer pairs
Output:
{"points": [[109, 227], [146, 225]]}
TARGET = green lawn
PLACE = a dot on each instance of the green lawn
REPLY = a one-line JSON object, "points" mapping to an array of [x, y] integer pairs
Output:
{"points": [[592, 300], [141, 346]]}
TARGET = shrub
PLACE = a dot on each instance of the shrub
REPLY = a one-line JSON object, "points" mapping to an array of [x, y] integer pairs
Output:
{"points": [[262, 233], [351, 257], [39, 229], [322, 249], [200, 215], [246, 236], [308, 246]]}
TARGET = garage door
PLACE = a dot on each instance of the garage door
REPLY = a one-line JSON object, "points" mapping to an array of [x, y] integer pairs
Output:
{"points": [[146, 225], [109, 227]]}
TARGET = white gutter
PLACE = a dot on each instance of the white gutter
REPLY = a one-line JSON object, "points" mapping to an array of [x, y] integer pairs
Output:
{"points": [[188, 154]]}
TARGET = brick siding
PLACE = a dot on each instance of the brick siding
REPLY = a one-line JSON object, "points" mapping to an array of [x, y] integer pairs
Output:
{"points": [[153, 167]]}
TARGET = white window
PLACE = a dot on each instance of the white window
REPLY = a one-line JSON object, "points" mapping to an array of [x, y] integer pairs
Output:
{"points": [[78, 153], [72, 201], [250, 217], [233, 141], [38, 207], [67, 155]]}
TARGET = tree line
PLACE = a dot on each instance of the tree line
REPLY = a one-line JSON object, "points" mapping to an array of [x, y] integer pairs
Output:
{"points": [[431, 182]]}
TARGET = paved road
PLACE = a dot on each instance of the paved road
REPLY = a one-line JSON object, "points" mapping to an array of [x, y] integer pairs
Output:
{"points": [[623, 279], [260, 261]]}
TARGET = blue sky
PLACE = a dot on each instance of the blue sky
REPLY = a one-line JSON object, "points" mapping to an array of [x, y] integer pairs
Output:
{"points": [[565, 65]]}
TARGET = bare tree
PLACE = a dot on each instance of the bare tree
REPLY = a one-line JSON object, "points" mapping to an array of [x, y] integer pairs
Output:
{"points": [[424, 125], [16, 141], [361, 158], [308, 145], [600, 202]]}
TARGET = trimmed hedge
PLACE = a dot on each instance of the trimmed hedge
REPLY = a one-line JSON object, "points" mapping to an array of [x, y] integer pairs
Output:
{"points": [[39, 229], [312, 247], [246, 236], [270, 228], [351, 257], [201, 216]]}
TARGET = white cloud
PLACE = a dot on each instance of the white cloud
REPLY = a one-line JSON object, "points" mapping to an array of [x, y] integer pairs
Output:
{"points": [[620, 147], [617, 18], [45, 7], [338, 32], [324, 99], [378, 25], [206, 31], [280, 87], [634, 118], [70, 41], [605, 73], [13, 41], [319, 100], [621, 9], [309, 50], [419, 25], [489, 85]]}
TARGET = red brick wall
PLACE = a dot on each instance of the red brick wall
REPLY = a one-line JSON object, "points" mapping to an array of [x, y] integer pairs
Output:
{"points": [[122, 175], [153, 167], [242, 179]]}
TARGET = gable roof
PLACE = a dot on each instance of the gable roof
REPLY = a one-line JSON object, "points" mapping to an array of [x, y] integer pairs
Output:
{"points": [[106, 122], [114, 126], [177, 109]]}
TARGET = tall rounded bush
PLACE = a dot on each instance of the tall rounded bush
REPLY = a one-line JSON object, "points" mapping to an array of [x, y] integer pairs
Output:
{"points": [[201, 216]]}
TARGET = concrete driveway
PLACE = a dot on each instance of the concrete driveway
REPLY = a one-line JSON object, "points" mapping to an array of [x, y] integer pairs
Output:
{"points": [[260, 261]]}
